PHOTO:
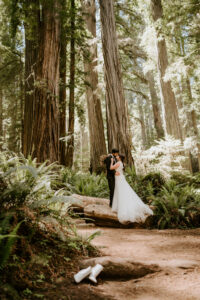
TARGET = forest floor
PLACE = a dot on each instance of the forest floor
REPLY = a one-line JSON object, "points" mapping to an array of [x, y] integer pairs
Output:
{"points": [[50, 273], [176, 252]]}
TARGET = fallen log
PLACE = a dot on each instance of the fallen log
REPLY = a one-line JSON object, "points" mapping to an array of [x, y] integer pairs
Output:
{"points": [[102, 215], [80, 202]]}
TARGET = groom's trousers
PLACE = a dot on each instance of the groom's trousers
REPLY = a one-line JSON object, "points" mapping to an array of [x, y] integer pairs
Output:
{"points": [[111, 184]]}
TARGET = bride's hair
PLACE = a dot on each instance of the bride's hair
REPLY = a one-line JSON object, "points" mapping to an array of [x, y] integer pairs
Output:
{"points": [[122, 157]]}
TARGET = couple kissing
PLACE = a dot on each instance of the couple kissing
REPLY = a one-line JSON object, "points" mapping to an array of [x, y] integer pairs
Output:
{"points": [[123, 200]]}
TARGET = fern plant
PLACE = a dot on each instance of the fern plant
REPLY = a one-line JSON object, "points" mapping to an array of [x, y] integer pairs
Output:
{"points": [[7, 239], [82, 243], [176, 206], [25, 180], [85, 183]]}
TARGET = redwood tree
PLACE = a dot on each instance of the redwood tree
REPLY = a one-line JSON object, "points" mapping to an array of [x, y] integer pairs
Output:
{"points": [[31, 47], [70, 134], [117, 113], [96, 127], [41, 132], [171, 120], [155, 106], [62, 92], [1, 118]]}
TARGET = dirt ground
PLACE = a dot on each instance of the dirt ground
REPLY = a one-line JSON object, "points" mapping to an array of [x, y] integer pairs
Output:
{"points": [[176, 252]]}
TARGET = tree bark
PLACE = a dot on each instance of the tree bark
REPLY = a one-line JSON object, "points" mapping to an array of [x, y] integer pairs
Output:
{"points": [[96, 127], [62, 92], [117, 111], [171, 118], [155, 106], [13, 137], [194, 121], [21, 105], [1, 119], [31, 49], [148, 116], [191, 122], [141, 119], [70, 142], [45, 134]]}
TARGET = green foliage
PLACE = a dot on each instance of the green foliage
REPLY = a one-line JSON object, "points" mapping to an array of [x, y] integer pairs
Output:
{"points": [[176, 206], [24, 181], [156, 180], [7, 239], [85, 183], [82, 243], [145, 186], [176, 201], [31, 194], [187, 179]]}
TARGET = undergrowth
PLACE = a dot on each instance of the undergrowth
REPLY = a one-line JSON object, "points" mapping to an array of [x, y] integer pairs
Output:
{"points": [[38, 237]]}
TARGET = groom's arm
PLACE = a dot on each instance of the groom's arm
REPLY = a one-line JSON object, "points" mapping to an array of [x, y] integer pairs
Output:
{"points": [[108, 161]]}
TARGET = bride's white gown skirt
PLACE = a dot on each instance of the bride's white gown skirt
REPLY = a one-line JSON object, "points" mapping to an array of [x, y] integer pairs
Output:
{"points": [[127, 204]]}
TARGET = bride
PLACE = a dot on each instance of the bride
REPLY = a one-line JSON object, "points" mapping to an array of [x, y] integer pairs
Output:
{"points": [[126, 203]]}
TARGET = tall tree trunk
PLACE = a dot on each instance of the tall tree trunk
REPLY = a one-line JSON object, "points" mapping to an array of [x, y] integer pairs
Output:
{"points": [[191, 115], [155, 106], [62, 92], [184, 127], [141, 119], [194, 121], [108, 127], [117, 111], [21, 106], [1, 119], [45, 135], [172, 124], [31, 49], [148, 114], [70, 142], [12, 129], [96, 127]]}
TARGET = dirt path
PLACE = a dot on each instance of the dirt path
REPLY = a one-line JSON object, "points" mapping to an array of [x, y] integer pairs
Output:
{"points": [[176, 252]]}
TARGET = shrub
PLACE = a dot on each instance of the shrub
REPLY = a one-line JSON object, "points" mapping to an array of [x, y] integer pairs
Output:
{"points": [[176, 206], [145, 186], [23, 181], [8, 236], [186, 179], [85, 183], [30, 194]]}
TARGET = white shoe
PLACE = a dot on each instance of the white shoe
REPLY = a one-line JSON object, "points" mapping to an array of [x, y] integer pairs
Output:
{"points": [[82, 274], [95, 272]]}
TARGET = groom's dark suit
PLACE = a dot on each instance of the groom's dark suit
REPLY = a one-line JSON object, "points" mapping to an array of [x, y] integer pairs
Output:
{"points": [[110, 176]]}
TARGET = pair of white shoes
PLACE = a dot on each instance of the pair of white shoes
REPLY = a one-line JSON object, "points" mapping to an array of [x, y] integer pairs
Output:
{"points": [[93, 272]]}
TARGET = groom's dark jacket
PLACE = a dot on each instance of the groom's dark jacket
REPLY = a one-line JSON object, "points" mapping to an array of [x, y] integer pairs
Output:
{"points": [[107, 161]]}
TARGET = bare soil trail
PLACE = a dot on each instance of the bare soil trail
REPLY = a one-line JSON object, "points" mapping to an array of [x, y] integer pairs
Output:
{"points": [[176, 252]]}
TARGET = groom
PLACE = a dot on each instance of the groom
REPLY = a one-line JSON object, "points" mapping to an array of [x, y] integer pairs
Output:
{"points": [[111, 173]]}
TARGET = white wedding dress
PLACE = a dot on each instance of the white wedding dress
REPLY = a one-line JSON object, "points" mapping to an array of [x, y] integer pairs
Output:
{"points": [[126, 203]]}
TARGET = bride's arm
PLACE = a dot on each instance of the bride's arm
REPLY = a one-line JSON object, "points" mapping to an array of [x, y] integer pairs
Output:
{"points": [[115, 166]]}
